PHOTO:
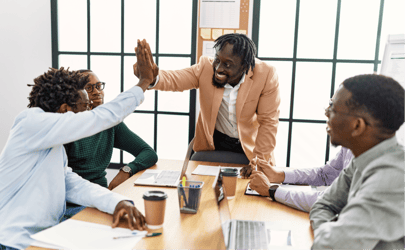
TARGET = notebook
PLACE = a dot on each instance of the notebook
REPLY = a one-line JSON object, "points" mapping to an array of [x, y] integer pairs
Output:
{"points": [[166, 178], [247, 234]]}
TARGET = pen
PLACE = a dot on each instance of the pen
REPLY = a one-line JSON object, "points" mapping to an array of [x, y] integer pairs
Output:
{"points": [[130, 236], [256, 163], [184, 181]]}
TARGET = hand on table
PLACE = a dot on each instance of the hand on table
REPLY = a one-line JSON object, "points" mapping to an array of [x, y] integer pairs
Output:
{"points": [[136, 220], [118, 179], [155, 68], [260, 183], [144, 65]]}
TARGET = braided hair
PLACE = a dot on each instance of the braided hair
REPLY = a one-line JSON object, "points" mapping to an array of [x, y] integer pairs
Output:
{"points": [[56, 87], [242, 47]]}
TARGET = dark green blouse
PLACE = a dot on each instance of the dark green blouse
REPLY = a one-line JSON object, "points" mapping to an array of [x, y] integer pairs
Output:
{"points": [[89, 157]]}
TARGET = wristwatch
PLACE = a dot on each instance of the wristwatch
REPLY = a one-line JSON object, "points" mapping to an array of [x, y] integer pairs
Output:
{"points": [[127, 169], [272, 191]]}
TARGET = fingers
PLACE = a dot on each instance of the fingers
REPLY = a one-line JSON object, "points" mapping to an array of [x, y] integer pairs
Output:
{"points": [[140, 219], [131, 219], [117, 216]]}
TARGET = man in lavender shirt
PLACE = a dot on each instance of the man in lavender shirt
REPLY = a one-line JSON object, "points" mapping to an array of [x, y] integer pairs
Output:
{"points": [[302, 200]]}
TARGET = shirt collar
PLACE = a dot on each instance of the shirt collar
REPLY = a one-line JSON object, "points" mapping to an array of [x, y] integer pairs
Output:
{"points": [[242, 79], [373, 153]]}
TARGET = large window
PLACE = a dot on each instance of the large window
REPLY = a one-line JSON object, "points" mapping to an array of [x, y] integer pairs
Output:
{"points": [[315, 45], [101, 35]]}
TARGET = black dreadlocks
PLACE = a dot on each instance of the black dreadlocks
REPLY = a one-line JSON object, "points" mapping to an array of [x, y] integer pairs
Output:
{"points": [[242, 47], [56, 87]]}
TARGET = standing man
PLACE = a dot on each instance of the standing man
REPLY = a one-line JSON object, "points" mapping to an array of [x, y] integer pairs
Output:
{"points": [[239, 100], [364, 206]]}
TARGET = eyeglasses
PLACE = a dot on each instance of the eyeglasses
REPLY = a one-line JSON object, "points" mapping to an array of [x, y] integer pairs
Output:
{"points": [[330, 109], [88, 104], [90, 87]]}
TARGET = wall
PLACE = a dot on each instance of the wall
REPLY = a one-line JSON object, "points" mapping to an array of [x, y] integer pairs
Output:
{"points": [[25, 53]]}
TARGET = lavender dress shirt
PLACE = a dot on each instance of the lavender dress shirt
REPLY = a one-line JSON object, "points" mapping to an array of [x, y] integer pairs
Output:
{"points": [[320, 176]]}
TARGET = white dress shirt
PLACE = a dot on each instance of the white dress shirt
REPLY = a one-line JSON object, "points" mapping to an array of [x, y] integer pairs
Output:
{"points": [[226, 119]]}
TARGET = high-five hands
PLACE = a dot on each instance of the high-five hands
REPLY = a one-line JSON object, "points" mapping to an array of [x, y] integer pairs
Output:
{"points": [[144, 65], [155, 68]]}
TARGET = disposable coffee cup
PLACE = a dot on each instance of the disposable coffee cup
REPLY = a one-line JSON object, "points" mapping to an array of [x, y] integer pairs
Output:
{"points": [[229, 180], [155, 206]]}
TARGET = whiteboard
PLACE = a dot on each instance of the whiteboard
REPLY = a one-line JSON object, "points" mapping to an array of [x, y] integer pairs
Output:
{"points": [[393, 65]]}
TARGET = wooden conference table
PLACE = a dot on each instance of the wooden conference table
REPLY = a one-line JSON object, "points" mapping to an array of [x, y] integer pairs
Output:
{"points": [[203, 230]]}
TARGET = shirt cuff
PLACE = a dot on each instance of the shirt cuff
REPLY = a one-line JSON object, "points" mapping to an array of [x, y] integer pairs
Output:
{"points": [[157, 80], [280, 194], [138, 93], [115, 199], [289, 176]]}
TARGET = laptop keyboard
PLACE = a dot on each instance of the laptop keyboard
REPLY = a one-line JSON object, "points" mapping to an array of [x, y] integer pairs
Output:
{"points": [[167, 177], [251, 235]]}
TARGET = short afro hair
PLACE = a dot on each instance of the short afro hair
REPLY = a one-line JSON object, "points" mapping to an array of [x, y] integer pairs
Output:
{"points": [[243, 47], [56, 87], [380, 96]]}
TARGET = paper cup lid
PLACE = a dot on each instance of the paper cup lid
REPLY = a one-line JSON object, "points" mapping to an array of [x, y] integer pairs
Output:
{"points": [[154, 195], [229, 172]]}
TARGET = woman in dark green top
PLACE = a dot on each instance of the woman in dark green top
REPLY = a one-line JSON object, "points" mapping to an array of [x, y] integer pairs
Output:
{"points": [[89, 157]]}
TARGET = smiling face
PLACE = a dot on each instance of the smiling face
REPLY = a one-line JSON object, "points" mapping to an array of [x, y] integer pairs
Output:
{"points": [[95, 95], [228, 67]]}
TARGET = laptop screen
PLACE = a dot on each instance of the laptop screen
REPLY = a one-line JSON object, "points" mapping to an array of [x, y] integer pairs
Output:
{"points": [[187, 158], [223, 207]]}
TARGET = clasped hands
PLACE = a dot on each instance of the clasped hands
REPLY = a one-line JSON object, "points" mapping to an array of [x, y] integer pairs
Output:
{"points": [[262, 174]]}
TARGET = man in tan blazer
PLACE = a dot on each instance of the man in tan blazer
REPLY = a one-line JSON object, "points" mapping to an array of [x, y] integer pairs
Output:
{"points": [[239, 99]]}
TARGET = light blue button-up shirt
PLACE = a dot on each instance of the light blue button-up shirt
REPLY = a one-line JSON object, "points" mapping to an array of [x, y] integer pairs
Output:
{"points": [[35, 182]]}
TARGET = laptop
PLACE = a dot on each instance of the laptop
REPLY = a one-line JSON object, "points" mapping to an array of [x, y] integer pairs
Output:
{"points": [[165, 178], [247, 234]]}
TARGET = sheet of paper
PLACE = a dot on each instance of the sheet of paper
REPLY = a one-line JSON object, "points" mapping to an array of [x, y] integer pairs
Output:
{"points": [[205, 33], [228, 31], [216, 33], [208, 48], [74, 234], [241, 32], [220, 14], [210, 170]]}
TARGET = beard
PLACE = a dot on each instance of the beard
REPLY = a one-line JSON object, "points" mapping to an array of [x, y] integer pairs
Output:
{"points": [[217, 84]]}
